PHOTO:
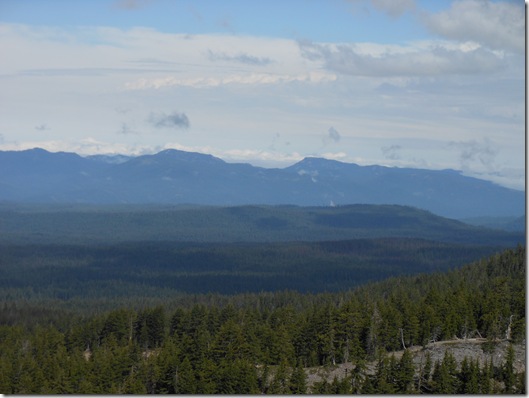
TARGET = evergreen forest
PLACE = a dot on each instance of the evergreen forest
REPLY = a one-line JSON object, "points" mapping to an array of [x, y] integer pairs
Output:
{"points": [[271, 342]]}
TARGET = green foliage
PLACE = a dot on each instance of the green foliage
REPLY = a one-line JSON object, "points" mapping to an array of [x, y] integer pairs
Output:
{"points": [[79, 224], [96, 274], [262, 343], [508, 376], [404, 374], [298, 380], [444, 378]]}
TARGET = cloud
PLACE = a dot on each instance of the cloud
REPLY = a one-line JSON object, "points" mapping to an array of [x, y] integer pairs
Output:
{"points": [[332, 136], [241, 58], [394, 8], [243, 79], [42, 127], [496, 25], [391, 152], [340, 156], [171, 120], [126, 129], [435, 59], [131, 4], [473, 152]]}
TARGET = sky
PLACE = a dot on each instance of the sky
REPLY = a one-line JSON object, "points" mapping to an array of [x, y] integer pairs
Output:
{"points": [[401, 83]]}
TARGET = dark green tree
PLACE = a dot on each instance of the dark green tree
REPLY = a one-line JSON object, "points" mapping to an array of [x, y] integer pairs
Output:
{"points": [[185, 382], [404, 373], [469, 377], [444, 378], [425, 370], [280, 382], [298, 380], [508, 375]]}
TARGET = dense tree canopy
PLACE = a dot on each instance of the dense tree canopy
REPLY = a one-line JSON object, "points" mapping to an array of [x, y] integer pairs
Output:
{"points": [[263, 343]]}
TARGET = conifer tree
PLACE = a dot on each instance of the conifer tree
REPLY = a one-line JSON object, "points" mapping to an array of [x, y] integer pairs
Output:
{"points": [[264, 379], [298, 380], [404, 373], [167, 363], [444, 378], [206, 380], [508, 375], [485, 378], [185, 382], [469, 377], [383, 380], [280, 381]]}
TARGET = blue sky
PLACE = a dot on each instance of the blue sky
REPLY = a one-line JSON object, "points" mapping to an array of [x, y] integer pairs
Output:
{"points": [[406, 83], [331, 20]]}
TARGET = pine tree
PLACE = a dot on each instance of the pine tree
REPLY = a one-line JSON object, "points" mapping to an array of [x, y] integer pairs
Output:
{"points": [[469, 377], [368, 386], [185, 382], [280, 384], [508, 376], [264, 379], [423, 382], [383, 381], [485, 378], [298, 380], [322, 387], [133, 384], [358, 376], [340, 387], [167, 363], [404, 373], [206, 371], [444, 378], [245, 377]]}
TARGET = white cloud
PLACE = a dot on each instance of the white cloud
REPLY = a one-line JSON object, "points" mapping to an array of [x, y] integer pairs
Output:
{"points": [[243, 58], [340, 156], [496, 25], [438, 59], [104, 82], [242, 79]]}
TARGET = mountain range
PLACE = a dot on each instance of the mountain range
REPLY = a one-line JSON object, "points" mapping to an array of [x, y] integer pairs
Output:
{"points": [[178, 177]]}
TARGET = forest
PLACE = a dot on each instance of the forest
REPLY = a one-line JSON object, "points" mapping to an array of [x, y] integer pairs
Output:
{"points": [[271, 341], [82, 273], [79, 224]]}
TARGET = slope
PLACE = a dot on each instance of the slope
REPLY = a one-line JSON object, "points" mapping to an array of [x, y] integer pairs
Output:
{"points": [[101, 224]]}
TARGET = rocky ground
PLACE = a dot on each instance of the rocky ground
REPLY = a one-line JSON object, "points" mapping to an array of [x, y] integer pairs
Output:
{"points": [[470, 348]]}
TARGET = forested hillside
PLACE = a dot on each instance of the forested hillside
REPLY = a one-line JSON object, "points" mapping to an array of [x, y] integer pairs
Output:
{"points": [[82, 224], [147, 270], [266, 342]]}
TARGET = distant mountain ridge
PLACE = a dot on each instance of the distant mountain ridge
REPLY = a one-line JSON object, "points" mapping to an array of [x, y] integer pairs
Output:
{"points": [[176, 177]]}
